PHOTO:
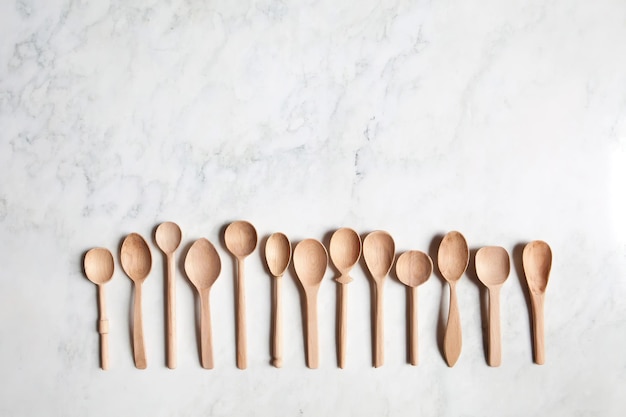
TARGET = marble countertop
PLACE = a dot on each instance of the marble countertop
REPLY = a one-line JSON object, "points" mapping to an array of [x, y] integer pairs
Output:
{"points": [[503, 120]]}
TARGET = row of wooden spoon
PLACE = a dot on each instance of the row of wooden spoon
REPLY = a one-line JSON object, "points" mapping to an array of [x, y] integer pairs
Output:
{"points": [[310, 259]]}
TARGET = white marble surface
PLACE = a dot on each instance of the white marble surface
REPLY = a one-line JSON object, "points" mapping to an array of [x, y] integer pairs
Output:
{"points": [[504, 120]]}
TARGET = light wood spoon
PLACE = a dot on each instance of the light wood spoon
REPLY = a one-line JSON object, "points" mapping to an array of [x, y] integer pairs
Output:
{"points": [[98, 264], [413, 268], [241, 239], [537, 261], [345, 251], [452, 259], [310, 261], [136, 262], [168, 237], [492, 268], [378, 253], [203, 266], [277, 256]]}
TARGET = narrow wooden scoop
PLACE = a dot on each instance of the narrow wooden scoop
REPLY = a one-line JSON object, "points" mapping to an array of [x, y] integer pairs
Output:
{"points": [[203, 266], [136, 262], [492, 268], [98, 264], [452, 259], [168, 237], [310, 261], [413, 268], [378, 253], [537, 261], [345, 251], [277, 256]]}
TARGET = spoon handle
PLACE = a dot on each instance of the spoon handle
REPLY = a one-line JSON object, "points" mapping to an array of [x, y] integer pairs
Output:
{"points": [[277, 324], [379, 345], [103, 329], [240, 312], [138, 342], [537, 301], [452, 339], [342, 323], [206, 340], [312, 344], [413, 351], [171, 312], [495, 347]]}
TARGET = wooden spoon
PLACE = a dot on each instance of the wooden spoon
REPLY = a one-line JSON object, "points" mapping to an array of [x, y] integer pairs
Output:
{"points": [[345, 251], [241, 239], [378, 253], [492, 268], [310, 261], [277, 256], [537, 261], [203, 266], [98, 264], [168, 237], [136, 262], [452, 259], [413, 268]]}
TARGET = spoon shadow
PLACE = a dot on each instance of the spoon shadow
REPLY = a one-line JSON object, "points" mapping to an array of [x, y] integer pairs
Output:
{"points": [[372, 285], [261, 253], [164, 286], [326, 242], [483, 297], [302, 295], [196, 309], [131, 298], [433, 250], [518, 264]]}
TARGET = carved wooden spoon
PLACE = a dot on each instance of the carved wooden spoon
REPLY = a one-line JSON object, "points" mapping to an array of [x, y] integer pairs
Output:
{"points": [[277, 256], [136, 262], [203, 266], [98, 264], [492, 268], [378, 253], [537, 261], [452, 259], [310, 261], [413, 268]]}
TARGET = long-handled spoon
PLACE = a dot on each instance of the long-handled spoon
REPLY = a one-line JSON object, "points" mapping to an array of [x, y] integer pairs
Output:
{"points": [[203, 266], [452, 259], [241, 239], [492, 268], [277, 256], [168, 237], [413, 268], [345, 251], [136, 262], [310, 261], [99, 267], [378, 253], [537, 261]]}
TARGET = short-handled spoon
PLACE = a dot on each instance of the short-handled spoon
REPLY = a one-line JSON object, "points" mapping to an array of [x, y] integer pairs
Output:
{"points": [[168, 237], [345, 251], [277, 257], [452, 259], [378, 253], [241, 239], [413, 268], [310, 261], [203, 266], [136, 262], [537, 261], [98, 264], [492, 268]]}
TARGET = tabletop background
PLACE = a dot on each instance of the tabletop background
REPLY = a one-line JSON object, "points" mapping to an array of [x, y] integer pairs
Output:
{"points": [[503, 120]]}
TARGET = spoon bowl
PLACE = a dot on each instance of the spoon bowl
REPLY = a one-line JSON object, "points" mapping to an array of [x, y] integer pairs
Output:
{"points": [[202, 264], [99, 265], [168, 237], [537, 261], [492, 265], [345, 249], [413, 268], [240, 238], [277, 254]]}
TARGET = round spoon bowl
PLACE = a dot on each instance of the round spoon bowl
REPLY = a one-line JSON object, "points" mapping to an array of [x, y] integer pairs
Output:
{"points": [[99, 265], [135, 257], [379, 252], [240, 238], [537, 261], [310, 261], [202, 264], [492, 265], [277, 254], [413, 268], [453, 256], [345, 248], [168, 237]]}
